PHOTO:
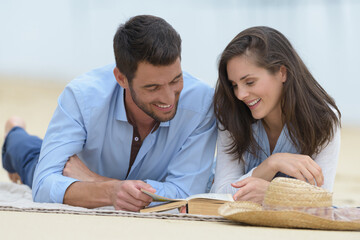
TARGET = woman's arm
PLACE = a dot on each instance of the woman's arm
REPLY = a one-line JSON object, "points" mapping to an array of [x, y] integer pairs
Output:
{"points": [[298, 166], [228, 170], [319, 170], [327, 159]]}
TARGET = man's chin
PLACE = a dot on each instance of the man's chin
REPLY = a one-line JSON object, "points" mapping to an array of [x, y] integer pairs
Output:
{"points": [[165, 119]]}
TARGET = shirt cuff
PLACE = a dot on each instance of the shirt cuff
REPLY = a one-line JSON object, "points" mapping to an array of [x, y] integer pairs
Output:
{"points": [[58, 184], [158, 186], [249, 174]]}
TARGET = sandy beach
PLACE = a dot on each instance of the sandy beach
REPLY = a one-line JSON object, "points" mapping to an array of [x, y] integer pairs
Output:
{"points": [[35, 102]]}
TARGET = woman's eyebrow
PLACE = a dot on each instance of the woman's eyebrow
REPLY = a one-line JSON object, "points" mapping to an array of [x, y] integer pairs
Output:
{"points": [[242, 78]]}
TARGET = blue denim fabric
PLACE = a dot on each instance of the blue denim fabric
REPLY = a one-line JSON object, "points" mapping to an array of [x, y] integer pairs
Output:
{"points": [[20, 153]]}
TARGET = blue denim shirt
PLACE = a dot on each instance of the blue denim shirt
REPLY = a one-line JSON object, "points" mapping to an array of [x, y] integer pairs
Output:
{"points": [[91, 121]]}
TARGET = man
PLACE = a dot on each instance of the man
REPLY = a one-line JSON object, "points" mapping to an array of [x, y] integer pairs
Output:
{"points": [[140, 124]]}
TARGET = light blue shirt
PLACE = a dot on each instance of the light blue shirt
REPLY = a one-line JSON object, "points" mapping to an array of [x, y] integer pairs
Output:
{"points": [[284, 144], [91, 121], [230, 170]]}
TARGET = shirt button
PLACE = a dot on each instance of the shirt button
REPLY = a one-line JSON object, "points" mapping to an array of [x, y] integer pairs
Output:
{"points": [[136, 139]]}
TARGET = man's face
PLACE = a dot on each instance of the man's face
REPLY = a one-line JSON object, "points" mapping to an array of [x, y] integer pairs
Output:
{"points": [[156, 89]]}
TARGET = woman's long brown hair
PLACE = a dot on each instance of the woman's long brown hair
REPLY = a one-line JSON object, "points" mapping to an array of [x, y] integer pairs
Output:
{"points": [[308, 111]]}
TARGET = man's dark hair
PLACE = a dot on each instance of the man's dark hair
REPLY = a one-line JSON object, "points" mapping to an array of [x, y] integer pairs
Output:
{"points": [[145, 38]]}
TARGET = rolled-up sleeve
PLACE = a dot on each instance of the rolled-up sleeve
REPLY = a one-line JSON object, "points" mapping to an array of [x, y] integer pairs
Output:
{"points": [[65, 137]]}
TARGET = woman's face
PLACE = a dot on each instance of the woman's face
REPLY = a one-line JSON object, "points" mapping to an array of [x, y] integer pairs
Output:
{"points": [[257, 88]]}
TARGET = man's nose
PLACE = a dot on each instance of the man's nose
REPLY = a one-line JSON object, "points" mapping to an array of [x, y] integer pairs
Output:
{"points": [[168, 95]]}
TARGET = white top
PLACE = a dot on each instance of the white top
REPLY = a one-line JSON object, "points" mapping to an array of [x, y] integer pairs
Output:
{"points": [[230, 171]]}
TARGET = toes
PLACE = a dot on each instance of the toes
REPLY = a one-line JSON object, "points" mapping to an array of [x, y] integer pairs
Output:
{"points": [[12, 122], [14, 177]]}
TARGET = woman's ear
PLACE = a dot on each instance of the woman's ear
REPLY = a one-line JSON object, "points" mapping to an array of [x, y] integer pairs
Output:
{"points": [[121, 78], [283, 73]]}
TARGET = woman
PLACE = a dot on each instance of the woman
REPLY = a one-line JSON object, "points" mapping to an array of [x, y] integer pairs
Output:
{"points": [[274, 118]]}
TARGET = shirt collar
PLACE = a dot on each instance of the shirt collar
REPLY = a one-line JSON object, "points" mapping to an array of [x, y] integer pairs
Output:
{"points": [[121, 111]]}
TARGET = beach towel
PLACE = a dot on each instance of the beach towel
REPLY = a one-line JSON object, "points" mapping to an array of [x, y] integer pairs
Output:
{"points": [[17, 197]]}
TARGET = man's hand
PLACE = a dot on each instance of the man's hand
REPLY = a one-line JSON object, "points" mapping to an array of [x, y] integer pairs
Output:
{"points": [[75, 168], [251, 189], [123, 195], [127, 195]]}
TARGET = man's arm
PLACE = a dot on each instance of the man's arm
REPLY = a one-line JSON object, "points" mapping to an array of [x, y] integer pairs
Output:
{"points": [[65, 137], [97, 191], [123, 195]]}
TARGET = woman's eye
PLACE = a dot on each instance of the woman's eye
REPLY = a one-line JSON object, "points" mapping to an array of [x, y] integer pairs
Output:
{"points": [[250, 83]]}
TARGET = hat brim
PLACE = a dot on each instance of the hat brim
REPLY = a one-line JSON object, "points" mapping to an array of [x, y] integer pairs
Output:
{"points": [[253, 214]]}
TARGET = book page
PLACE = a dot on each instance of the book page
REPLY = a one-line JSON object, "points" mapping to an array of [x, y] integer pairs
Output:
{"points": [[158, 198], [214, 196], [164, 207]]}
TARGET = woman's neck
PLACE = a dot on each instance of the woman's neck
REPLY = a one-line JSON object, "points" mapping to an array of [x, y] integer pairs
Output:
{"points": [[273, 128]]}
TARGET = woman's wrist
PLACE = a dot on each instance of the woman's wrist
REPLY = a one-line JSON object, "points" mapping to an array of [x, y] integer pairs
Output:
{"points": [[271, 164]]}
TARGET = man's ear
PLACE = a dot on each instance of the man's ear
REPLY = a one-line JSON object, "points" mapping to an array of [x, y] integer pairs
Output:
{"points": [[283, 73], [121, 78]]}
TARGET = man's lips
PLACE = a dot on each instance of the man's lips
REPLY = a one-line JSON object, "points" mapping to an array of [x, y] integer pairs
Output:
{"points": [[164, 107]]}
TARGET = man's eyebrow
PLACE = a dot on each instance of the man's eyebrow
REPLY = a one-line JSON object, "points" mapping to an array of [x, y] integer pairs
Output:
{"points": [[155, 85], [150, 85], [177, 76]]}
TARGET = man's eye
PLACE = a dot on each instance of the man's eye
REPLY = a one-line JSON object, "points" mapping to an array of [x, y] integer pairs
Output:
{"points": [[153, 89], [175, 81]]}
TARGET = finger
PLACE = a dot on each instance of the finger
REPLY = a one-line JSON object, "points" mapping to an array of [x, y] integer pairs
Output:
{"points": [[241, 183], [253, 197], [126, 197], [317, 175], [136, 193], [142, 185], [316, 171], [298, 175], [182, 209], [308, 175], [240, 193], [126, 206]]}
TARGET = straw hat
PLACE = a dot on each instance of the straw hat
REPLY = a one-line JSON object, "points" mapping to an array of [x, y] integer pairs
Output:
{"points": [[292, 203]]}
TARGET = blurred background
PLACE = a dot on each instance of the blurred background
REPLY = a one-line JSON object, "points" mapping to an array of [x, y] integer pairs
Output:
{"points": [[56, 40], [46, 43]]}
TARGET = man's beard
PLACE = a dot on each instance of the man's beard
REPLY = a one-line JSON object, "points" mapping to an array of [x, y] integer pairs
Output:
{"points": [[148, 111]]}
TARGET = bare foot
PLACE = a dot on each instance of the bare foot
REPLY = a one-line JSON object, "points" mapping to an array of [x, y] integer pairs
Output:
{"points": [[14, 177], [12, 122]]}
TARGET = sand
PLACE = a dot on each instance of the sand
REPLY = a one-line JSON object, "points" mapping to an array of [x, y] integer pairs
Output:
{"points": [[36, 102]]}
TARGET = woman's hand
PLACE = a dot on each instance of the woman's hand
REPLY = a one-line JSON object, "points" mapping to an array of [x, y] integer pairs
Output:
{"points": [[251, 189], [298, 166]]}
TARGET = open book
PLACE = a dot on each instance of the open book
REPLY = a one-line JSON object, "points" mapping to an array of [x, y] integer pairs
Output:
{"points": [[203, 204]]}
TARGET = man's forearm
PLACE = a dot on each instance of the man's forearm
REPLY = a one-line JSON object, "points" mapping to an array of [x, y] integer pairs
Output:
{"points": [[89, 194]]}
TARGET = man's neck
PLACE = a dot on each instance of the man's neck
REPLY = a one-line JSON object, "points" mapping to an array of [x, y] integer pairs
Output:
{"points": [[137, 117]]}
